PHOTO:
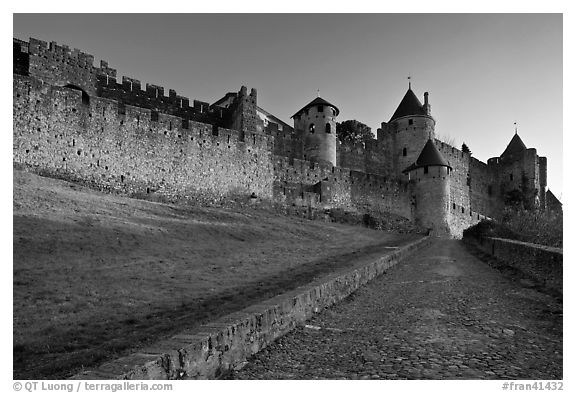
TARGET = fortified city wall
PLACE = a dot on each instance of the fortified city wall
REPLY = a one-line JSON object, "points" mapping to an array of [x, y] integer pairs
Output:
{"points": [[74, 120]]}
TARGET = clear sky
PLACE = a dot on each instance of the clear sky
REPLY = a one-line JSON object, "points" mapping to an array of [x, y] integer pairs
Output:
{"points": [[483, 71]]}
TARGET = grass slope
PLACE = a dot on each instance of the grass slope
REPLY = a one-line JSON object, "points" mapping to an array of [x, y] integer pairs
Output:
{"points": [[97, 275]]}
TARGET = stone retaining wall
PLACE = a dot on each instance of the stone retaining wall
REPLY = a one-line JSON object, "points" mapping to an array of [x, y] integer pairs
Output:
{"points": [[216, 348], [541, 263]]}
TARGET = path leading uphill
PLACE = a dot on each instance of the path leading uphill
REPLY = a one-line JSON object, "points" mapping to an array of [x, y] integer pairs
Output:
{"points": [[440, 314]]}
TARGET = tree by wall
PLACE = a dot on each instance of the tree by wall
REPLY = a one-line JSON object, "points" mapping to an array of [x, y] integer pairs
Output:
{"points": [[353, 131], [466, 149]]}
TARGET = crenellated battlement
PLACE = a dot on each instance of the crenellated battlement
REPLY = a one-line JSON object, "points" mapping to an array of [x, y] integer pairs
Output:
{"points": [[61, 66], [62, 53], [130, 91]]}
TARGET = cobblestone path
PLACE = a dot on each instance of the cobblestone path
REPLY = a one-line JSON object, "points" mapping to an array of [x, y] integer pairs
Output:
{"points": [[440, 314]]}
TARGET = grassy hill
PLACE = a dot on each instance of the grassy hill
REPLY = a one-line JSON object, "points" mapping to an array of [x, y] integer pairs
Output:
{"points": [[98, 275]]}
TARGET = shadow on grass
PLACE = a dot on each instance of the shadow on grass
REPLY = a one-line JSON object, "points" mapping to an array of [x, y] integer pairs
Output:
{"points": [[93, 342]]}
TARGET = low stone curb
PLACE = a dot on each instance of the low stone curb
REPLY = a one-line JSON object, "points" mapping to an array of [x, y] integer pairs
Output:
{"points": [[212, 350]]}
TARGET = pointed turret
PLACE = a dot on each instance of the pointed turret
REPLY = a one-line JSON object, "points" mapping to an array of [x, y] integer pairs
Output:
{"points": [[429, 156], [409, 128], [409, 106], [514, 147]]}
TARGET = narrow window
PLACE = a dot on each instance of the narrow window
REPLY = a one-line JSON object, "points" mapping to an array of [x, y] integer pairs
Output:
{"points": [[453, 206], [320, 108], [311, 128], [462, 209], [489, 190], [410, 122], [511, 177], [328, 130], [404, 152], [425, 169]]}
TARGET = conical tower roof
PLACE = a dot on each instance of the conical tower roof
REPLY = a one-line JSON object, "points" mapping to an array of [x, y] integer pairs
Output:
{"points": [[410, 105], [515, 146], [429, 156], [317, 101]]}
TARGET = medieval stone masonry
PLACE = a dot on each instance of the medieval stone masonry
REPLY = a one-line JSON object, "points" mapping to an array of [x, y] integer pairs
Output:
{"points": [[77, 121]]}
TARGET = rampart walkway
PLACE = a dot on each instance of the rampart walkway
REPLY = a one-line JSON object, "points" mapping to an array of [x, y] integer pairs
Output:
{"points": [[440, 314]]}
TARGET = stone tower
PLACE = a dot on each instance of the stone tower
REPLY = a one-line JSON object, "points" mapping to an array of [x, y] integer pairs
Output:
{"points": [[407, 131], [520, 170], [316, 123], [430, 176]]}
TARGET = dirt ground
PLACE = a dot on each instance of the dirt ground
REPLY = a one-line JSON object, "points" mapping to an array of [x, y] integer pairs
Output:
{"points": [[97, 275]]}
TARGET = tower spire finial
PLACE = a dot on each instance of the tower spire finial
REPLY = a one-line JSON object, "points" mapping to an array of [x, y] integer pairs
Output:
{"points": [[318, 93], [409, 82], [515, 128]]}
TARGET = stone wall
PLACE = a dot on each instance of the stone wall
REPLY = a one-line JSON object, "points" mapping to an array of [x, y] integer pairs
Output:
{"points": [[541, 263], [470, 189], [378, 194], [484, 193], [130, 150]]}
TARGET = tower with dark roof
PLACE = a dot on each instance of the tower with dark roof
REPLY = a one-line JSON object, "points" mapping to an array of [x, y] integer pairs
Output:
{"points": [[407, 131], [430, 176], [520, 171], [316, 124]]}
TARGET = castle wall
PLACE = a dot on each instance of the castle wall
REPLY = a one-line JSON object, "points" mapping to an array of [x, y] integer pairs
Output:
{"points": [[364, 157], [459, 188], [484, 193], [351, 155], [294, 178], [472, 192], [375, 193], [349, 189], [55, 133], [286, 144], [74, 120]]}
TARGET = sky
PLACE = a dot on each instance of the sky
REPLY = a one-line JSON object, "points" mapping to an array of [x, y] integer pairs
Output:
{"points": [[484, 72]]}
